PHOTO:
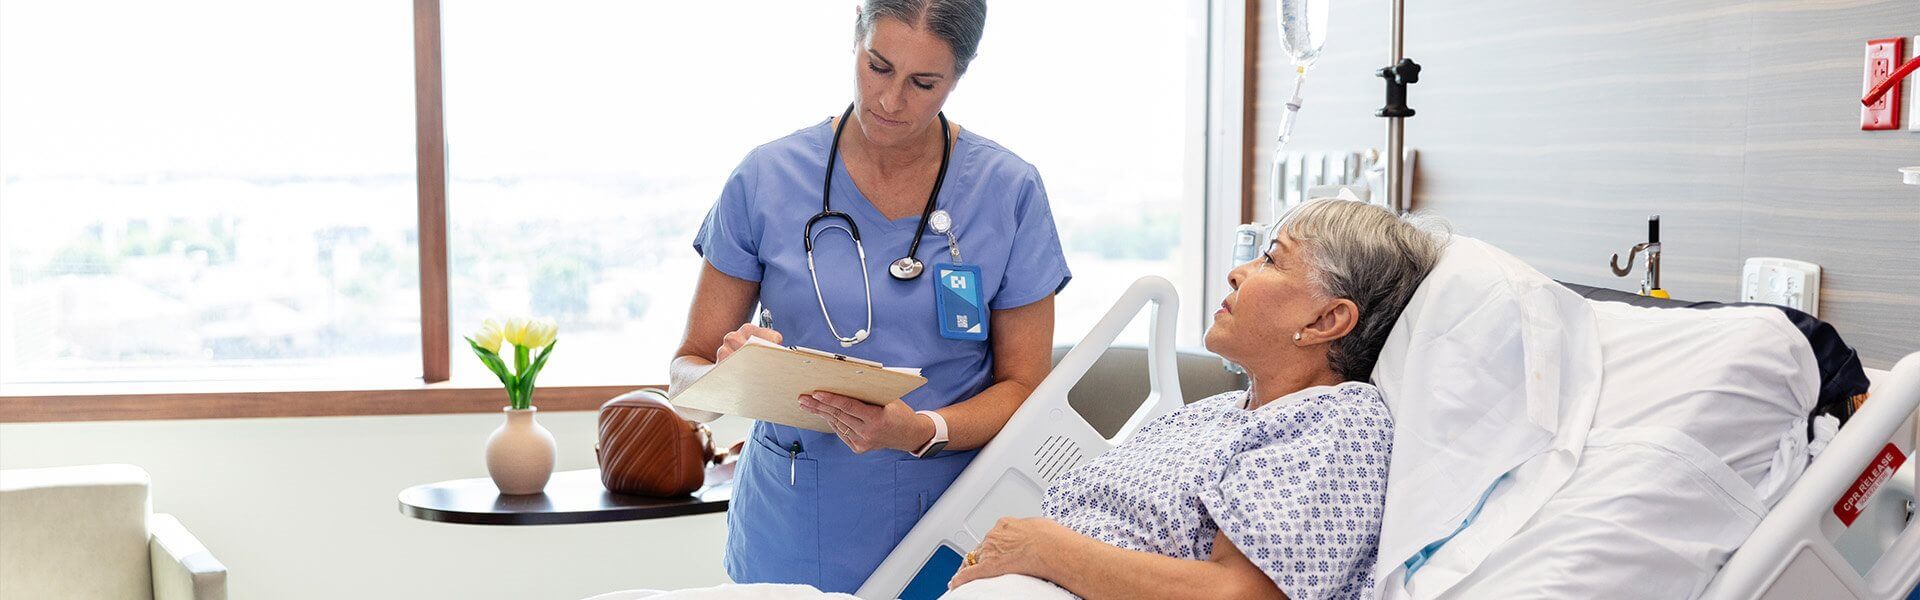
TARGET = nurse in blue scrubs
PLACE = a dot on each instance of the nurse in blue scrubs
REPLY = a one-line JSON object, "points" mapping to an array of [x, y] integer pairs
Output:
{"points": [[824, 508]]}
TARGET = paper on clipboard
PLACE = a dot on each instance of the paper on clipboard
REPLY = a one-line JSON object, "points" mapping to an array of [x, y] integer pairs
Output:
{"points": [[754, 341], [763, 381]]}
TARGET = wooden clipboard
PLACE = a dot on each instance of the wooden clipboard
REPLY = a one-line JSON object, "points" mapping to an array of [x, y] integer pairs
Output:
{"points": [[764, 382]]}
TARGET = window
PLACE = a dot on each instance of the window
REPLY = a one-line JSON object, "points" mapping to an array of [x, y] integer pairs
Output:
{"points": [[224, 191], [1105, 120], [587, 143], [186, 199]]}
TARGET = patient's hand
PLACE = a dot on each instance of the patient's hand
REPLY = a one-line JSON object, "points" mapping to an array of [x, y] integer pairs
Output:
{"points": [[1019, 546]]}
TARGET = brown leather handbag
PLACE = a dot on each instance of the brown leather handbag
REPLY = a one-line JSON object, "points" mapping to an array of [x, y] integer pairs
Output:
{"points": [[645, 449]]}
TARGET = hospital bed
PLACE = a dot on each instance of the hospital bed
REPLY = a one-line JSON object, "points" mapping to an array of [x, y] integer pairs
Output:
{"points": [[1791, 554]]}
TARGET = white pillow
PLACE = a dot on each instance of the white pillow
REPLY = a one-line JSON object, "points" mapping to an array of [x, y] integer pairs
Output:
{"points": [[1739, 380], [1491, 366]]}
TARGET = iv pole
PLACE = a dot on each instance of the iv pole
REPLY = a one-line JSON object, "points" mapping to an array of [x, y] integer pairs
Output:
{"points": [[1399, 73]]}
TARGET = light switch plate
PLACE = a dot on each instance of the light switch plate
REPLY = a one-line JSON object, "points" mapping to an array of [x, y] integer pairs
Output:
{"points": [[1782, 281]]}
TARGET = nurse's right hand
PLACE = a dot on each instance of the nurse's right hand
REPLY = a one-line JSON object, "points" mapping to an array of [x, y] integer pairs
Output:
{"points": [[733, 341]]}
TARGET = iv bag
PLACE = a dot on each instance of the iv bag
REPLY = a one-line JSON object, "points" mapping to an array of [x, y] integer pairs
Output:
{"points": [[1303, 30]]}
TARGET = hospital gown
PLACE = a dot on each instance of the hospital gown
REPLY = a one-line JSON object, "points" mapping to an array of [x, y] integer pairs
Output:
{"points": [[1298, 485]]}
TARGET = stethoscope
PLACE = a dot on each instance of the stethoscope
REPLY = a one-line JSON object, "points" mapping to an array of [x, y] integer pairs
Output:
{"points": [[907, 267]]}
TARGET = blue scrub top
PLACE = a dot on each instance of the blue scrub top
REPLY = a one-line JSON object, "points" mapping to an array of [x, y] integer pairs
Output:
{"points": [[825, 516]]}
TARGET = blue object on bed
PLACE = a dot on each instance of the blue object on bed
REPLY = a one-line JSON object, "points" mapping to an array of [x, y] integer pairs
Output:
{"points": [[931, 581]]}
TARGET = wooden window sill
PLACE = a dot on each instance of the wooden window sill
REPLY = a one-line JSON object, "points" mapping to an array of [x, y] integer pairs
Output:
{"points": [[141, 402]]}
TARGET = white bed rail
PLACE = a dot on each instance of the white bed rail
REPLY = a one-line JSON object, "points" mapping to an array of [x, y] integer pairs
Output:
{"points": [[1789, 556], [1042, 440]]}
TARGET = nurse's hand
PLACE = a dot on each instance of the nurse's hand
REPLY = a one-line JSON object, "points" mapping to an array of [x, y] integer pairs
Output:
{"points": [[1019, 546], [867, 427], [733, 341]]}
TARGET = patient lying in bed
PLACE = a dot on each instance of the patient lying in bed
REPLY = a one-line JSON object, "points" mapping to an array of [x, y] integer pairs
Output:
{"points": [[1276, 490]]}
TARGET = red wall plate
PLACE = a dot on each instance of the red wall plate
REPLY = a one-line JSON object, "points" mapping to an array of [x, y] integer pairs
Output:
{"points": [[1883, 56]]}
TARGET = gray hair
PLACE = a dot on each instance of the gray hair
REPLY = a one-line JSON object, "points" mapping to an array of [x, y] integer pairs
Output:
{"points": [[959, 23], [1364, 253]]}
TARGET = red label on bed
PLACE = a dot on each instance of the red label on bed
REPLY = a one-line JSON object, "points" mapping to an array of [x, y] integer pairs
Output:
{"points": [[1877, 472]]}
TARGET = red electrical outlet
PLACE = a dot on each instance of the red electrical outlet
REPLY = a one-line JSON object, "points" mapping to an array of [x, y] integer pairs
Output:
{"points": [[1883, 56]]}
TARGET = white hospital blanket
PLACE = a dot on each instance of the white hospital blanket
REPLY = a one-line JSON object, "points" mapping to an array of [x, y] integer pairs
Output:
{"points": [[1646, 487], [1019, 587], [731, 591], [1701, 426], [1008, 587], [1739, 380], [1649, 514]]}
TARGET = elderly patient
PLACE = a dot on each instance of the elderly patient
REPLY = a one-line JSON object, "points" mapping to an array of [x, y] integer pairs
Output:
{"points": [[1276, 491]]}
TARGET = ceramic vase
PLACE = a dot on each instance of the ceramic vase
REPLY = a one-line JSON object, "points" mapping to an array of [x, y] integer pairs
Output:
{"points": [[520, 454]]}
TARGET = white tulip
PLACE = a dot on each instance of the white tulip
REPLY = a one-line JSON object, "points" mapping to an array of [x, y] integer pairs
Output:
{"points": [[489, 336], [539, 332], [514, 329]]}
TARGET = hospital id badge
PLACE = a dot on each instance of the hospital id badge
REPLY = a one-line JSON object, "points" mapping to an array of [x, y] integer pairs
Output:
{"points": [[956, 290]]}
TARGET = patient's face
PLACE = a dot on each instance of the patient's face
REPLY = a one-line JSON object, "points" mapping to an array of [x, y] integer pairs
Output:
{"points": [[1272, 299]]}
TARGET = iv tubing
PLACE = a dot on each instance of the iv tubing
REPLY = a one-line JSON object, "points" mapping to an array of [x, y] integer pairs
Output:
{"points": [[1286, 132]]}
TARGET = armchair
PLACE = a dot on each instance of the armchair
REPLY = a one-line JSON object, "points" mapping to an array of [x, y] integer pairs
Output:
{"points": [[89, 532]]}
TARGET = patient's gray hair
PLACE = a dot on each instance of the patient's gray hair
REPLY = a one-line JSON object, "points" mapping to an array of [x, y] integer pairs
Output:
{"points": [[1364, 253]]}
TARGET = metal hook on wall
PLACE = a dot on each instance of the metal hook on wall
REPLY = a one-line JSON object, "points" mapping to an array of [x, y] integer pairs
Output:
{"points": [[1650, 282]]}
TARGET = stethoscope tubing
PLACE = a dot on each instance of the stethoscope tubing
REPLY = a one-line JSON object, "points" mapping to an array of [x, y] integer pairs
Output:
{"points": [[853, 230], [865, 281]]}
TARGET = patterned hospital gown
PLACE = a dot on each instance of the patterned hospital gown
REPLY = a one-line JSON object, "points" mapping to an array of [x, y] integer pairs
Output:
{"points": [[1298, 485]]}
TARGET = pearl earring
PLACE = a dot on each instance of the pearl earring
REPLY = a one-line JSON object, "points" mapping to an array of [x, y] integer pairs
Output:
{"points": [[1296, 337]]}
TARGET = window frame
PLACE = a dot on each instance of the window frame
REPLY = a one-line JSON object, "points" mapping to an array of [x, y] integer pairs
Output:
{"points": [[1220, 65]]}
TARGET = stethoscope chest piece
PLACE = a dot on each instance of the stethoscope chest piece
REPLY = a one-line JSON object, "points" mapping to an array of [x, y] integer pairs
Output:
{"points": [[906, 268]]}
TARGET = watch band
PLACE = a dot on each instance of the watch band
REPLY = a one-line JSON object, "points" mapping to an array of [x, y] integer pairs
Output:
{"points": [[939, 440]]}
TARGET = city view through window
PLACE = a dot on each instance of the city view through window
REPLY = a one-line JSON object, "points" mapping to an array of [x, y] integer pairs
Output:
{"points": [[184, 202]]}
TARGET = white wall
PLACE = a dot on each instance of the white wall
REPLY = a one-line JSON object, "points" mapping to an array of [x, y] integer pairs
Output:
{"points": [[306, 508]]}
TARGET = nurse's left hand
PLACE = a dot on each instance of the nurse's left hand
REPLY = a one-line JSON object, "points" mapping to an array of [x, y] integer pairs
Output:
{"points": [[867, 427]]}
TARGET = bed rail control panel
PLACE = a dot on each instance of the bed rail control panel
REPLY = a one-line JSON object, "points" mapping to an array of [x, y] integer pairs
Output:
{"points": [[1782, 281]]}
